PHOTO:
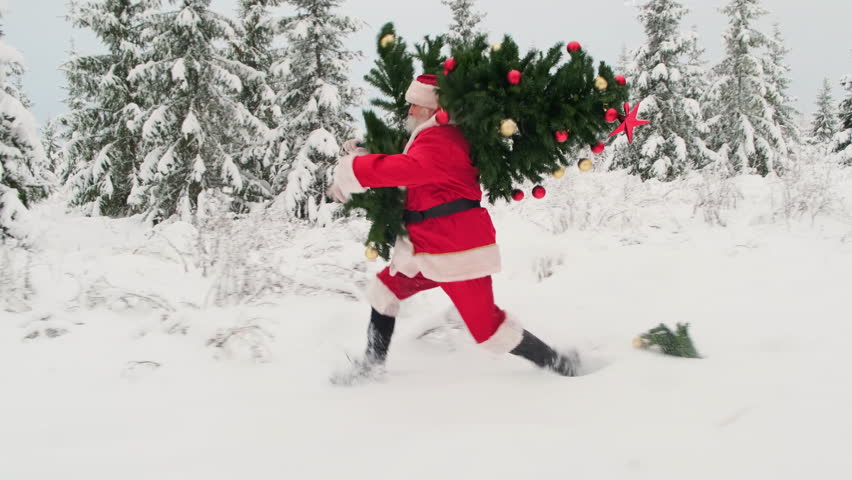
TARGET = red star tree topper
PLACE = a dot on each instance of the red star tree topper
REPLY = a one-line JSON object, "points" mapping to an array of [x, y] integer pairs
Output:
{"points": [[630, 122]]}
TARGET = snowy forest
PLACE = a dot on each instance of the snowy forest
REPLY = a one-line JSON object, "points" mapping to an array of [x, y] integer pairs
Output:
{"points": [[188, 101], [178, 212]]}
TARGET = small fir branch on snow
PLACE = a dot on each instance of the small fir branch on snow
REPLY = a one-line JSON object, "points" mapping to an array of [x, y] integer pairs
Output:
{"points": [[662, 338]]}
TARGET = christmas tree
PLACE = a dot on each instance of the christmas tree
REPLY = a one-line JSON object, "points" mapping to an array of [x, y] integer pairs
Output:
{"points": [[521, 115]]}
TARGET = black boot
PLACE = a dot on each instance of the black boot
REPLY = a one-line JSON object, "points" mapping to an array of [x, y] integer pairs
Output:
{"points": [[379, 334], [372, 366], [542, 355]]}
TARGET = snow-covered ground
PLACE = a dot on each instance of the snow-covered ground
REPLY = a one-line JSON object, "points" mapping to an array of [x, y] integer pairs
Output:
{"points": [[126, 362]]}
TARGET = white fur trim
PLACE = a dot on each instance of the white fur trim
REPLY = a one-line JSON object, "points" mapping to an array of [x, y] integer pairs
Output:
{"points": [[344, 176], [508, 336], [447, 267], [382, 299], [402, 260], [421, 94], [455, 267]]}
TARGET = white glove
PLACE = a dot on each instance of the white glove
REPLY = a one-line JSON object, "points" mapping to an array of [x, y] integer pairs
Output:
{"points": [[336, 194], [351, 147]]}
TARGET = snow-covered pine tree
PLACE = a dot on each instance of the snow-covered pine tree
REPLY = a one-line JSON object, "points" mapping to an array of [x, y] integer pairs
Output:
{"points": [[13, 71], [626, 63], [843, 138], [53, 136], [466, 20], [697, 79], [103, 122], [824, 123], [695, 76], [742, 122], [777, 74], [256, 48], [668, 146], [195, 125], [23, 178], [317, 101]]}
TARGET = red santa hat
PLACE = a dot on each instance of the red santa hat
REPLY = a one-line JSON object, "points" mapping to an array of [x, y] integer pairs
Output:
{"points": [[423, 91]]}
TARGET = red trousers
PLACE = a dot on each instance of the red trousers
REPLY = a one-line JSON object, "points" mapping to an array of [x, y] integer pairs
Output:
{"points": [[474, 299]]}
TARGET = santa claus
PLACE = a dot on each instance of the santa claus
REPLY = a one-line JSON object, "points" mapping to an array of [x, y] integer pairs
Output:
{"points": [[451, 241]]}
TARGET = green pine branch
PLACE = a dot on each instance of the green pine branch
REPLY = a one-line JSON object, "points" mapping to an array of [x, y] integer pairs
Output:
{"points": [[677, 343], [391, 75], [429, 54]]}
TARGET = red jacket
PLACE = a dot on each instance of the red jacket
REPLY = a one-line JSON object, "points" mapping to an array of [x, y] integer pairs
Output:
{"points": [[435, 168]]}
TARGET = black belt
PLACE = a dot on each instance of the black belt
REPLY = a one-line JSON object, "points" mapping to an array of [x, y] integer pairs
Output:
{"points": [[456, 206]]}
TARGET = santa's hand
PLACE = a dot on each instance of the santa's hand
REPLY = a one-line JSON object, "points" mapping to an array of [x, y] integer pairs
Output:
{"points": [[336, 194], [353, 147]]}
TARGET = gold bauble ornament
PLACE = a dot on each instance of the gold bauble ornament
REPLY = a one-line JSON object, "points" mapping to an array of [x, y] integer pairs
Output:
{"points": [[387, 40], [559, 173], [508, 127], [584, 165], [371, 253], [601, 83], [496, 47], [638, 342]]}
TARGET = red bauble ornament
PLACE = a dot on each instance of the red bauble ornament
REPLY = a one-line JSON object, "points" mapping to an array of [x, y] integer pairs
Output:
{"points": [[611, 115], [449, 65], [598, 148], [619, 79], [561, 136], [517, 195], [573, 47], [514, 77], [539, 192], [442, 117]]}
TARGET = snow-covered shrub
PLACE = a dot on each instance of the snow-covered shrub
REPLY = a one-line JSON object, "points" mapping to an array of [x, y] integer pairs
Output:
{"points": [[15, 276], [14, 217], [249, 341], [102, 294], [136, 370], [714, 193], [546, 265], [241, 253], [590, 202], [267, 252], [807, 190], [46, 327]]}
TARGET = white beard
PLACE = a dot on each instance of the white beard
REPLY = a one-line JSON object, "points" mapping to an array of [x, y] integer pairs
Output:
{"points": [[412, 123]]}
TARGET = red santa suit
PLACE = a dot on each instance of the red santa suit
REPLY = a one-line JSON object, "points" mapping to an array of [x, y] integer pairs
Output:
{"points": [[456, 252]]}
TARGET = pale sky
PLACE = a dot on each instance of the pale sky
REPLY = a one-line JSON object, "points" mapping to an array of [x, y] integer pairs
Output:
{"points": [[816, 32]]}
